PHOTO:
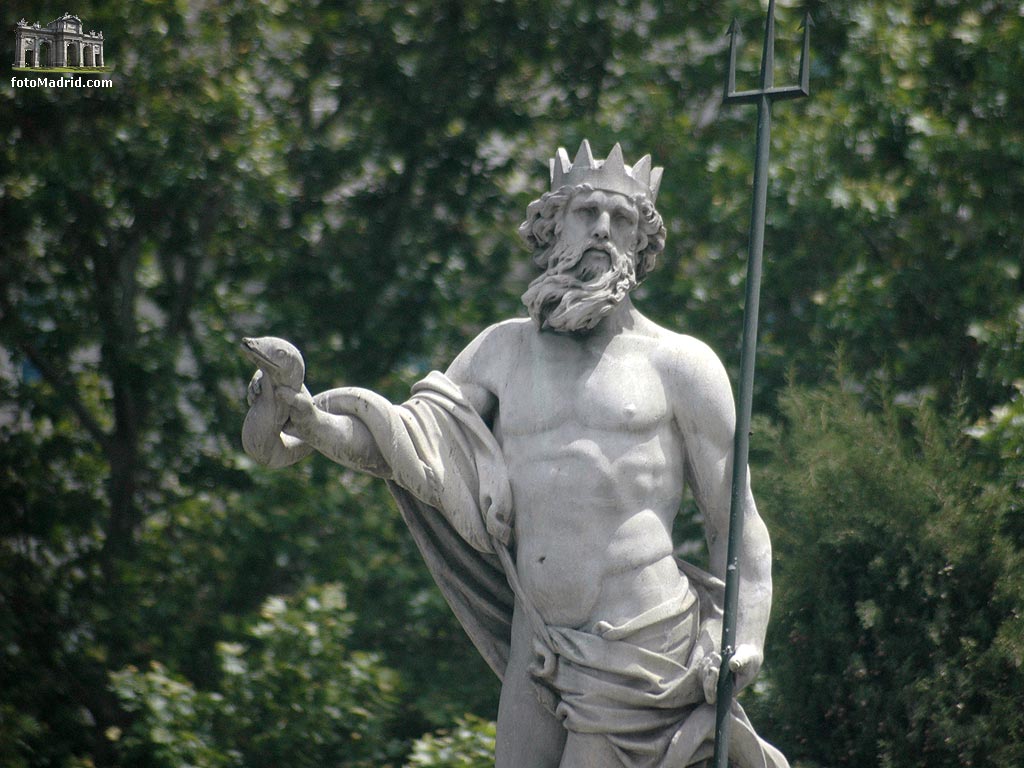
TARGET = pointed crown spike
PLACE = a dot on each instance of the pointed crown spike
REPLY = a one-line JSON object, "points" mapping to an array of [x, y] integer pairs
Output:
{"points": [[563, 160], [614, 162], [583, 154], [642, 170], [610, 174], [559, 165], [655, 182]]}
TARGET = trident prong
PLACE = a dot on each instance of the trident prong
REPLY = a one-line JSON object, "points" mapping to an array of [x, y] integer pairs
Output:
{"points": [[730, 84], [763, 97], [732, 96], [805, 55]]}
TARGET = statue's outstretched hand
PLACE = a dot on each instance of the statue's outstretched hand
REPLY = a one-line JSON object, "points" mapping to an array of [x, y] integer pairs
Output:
{"points": [[301, 410], [744, 664], [274, 401]]}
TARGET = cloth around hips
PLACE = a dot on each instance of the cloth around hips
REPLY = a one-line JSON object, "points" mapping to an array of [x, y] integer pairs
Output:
{"points": [[640, 685]]}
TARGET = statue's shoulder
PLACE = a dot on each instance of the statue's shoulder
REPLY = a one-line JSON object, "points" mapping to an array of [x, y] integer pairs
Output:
{"points": [[691, 370], [502, 341], [486, 359], [681, 354], [511, 331]]}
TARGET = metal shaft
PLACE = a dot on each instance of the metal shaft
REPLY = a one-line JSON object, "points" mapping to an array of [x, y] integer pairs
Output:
{"points": [[745, 395], [763, 96], [741, 440]]}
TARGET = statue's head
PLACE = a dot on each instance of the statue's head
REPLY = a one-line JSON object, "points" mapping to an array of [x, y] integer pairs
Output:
{"points": [[595, 236]]}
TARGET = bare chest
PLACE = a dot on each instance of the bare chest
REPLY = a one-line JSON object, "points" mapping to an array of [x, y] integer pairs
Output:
{"points": [[556, 384]]}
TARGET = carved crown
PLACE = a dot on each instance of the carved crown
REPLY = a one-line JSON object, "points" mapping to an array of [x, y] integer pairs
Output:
{"points": [[610, 174]]}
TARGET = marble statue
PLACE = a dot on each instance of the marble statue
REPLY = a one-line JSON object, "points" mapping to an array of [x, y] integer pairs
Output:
{"points": [[540, 476]]}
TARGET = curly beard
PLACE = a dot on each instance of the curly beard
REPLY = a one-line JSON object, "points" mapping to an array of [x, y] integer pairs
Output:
{"points": [[567, 299]]}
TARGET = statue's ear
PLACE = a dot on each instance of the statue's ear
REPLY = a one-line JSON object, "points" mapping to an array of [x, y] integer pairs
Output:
{"points": [[639, 245]]}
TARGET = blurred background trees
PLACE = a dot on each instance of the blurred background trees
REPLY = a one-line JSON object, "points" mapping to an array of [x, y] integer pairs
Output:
{"points": [[350, 175]]}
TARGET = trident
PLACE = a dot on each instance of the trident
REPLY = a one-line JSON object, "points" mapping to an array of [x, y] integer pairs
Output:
{"points": [[763, 97]]}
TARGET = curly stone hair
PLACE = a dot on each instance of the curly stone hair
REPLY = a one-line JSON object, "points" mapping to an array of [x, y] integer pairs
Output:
{"points": [[543, 225]]}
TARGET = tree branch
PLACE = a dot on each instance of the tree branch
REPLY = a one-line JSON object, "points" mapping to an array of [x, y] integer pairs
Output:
{"points": [[55, 378]]}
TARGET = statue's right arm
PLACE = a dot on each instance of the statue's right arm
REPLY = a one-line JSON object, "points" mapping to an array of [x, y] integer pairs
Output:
{"points": [[341, 437], [345, 438]]}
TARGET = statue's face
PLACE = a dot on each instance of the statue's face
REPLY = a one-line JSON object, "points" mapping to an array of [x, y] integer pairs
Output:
{"points": [[595, 219], [590, 266]]}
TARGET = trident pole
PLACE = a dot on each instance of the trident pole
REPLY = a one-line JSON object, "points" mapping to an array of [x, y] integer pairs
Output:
{"points": [[763, 96]]}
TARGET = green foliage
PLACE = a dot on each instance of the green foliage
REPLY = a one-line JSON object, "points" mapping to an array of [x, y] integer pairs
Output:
{"points": [[897, 634], [469, 744], [175, 725], [293, 693], [1002, 429]]}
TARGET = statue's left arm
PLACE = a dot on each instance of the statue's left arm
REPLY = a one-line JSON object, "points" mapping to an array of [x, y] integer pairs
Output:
{"points": [[706, 416]]}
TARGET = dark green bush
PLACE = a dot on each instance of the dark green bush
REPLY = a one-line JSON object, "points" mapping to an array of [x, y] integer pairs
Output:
{"points": [[897, 636]]}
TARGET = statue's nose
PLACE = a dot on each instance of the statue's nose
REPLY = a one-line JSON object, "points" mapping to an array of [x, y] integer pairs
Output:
{"points": [[601, 226]]}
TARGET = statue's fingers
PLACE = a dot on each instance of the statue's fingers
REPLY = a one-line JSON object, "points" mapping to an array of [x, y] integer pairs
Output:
{"points": [[711, 666], [297, 403], [746, 657], [711, 687], [745, 664], [285, 395], [741, 673], [255, 388]]}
